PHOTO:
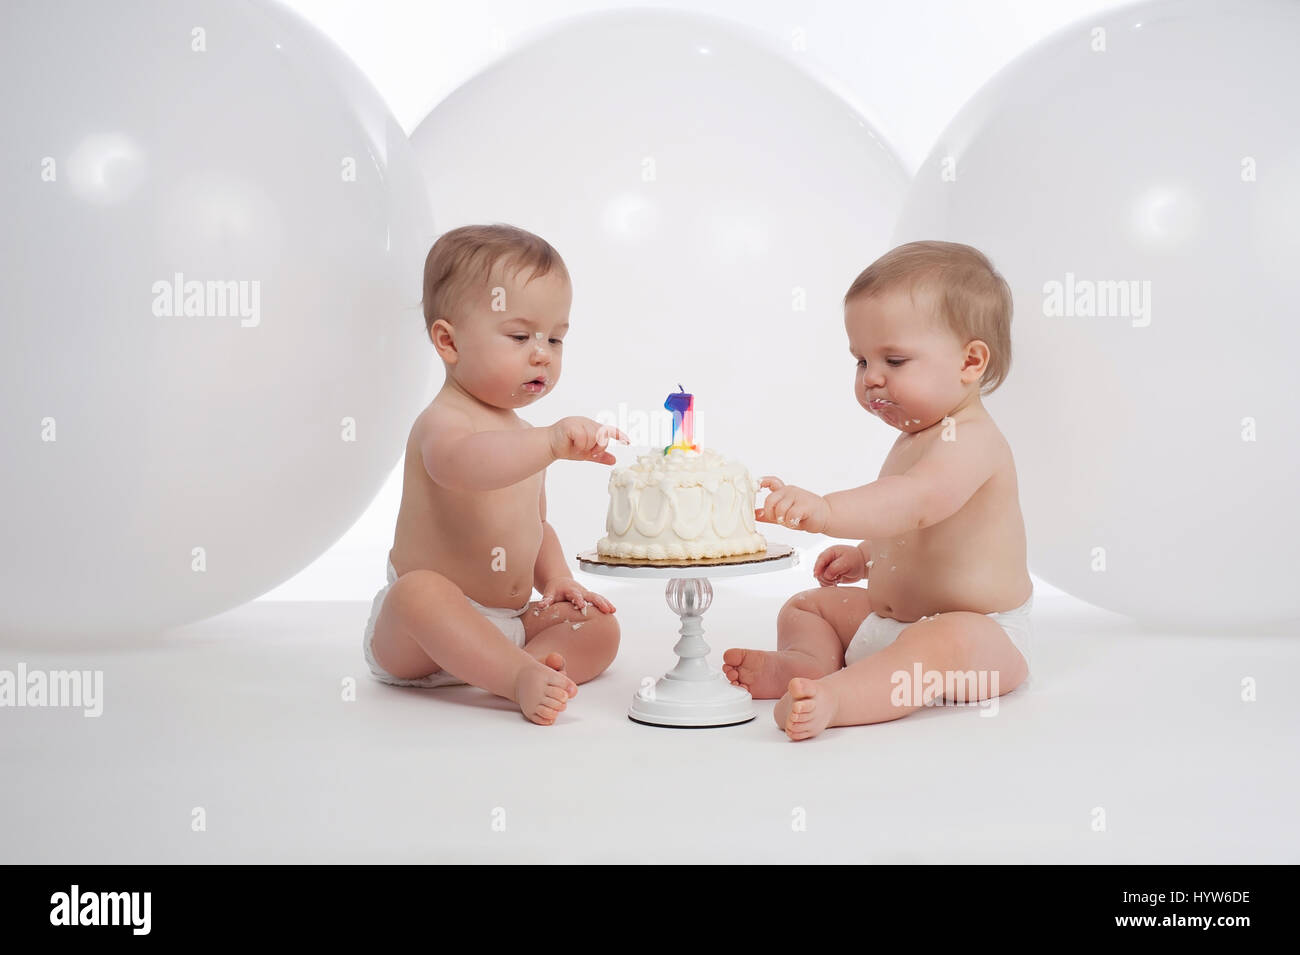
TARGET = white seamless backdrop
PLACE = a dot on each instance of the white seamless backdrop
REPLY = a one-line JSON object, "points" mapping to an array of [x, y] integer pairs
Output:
{"points": [[907, 67]]}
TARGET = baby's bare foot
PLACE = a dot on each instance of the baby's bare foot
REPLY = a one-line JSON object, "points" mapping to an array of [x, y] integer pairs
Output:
{"points": [[543, 692], [765, 673], [557, 662], [806, 709]]}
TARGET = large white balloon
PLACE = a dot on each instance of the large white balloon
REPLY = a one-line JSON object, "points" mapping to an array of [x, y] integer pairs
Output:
{"points": [[211, 348], [713, 201], [1137, 179]]}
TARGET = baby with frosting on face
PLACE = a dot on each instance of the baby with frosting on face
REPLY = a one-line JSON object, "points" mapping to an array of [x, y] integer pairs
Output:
{"points": [[472, 540], [945, 615]]}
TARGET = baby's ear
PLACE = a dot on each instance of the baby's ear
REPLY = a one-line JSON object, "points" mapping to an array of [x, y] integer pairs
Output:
{"points": [[977, 356], [443, 337]]}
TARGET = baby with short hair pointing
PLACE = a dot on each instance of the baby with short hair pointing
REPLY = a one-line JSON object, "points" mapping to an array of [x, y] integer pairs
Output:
{"points": [[472, 539], [942, 547]]}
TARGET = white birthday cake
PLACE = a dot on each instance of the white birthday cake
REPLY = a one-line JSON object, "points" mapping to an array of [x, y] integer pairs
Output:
{"points": [[683, 505]]}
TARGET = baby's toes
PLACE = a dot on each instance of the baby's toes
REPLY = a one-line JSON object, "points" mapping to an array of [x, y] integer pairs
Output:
{"points": [[802, 689], [555, 696], [562, 687], [797, 725], [543, 715]]}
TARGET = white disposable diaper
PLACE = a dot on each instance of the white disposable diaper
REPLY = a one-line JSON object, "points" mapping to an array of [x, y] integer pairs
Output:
{"points": [[876, 632], [509, 622]]}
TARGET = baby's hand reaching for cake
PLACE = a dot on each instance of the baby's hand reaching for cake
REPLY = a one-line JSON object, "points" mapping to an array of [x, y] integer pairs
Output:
{"points": [[581, 439], [566, 588], [792, 507]]}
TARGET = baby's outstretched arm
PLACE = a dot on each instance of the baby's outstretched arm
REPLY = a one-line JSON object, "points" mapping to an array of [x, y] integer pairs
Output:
{"points": [[460, 458], [931, 490]]}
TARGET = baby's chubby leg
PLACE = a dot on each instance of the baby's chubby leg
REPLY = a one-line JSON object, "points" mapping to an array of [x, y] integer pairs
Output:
{"points": [[812, 630], [880, 687], [587, 638], [427, 624]]}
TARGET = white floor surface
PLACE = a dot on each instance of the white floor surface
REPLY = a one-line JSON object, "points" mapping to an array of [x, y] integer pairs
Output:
{"points": [[244, 716]]}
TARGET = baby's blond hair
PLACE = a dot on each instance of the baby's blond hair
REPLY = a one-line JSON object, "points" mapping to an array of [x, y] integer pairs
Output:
{"points": [[466, 257], [972, 299]]}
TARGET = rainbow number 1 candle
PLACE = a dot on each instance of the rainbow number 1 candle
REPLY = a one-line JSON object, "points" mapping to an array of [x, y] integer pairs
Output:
{"points": [[682, 406]]}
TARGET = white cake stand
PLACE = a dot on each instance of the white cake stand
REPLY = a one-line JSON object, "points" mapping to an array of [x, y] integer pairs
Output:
{"points": [[692, 693]]}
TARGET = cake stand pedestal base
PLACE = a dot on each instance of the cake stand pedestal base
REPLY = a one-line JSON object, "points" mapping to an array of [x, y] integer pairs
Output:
{"points": [[691, 693]]}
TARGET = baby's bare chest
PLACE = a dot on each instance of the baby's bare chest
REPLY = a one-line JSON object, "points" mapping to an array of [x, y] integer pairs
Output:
{"points": [[988, 514], [513, 511]]}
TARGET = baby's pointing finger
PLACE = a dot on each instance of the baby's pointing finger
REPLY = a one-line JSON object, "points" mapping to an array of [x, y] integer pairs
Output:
{"points": [[607, 432]]}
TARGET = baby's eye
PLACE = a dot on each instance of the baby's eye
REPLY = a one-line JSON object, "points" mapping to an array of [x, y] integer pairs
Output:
{"points": [[520, 337], [861, 362], [895, 362], [557, 341]]}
